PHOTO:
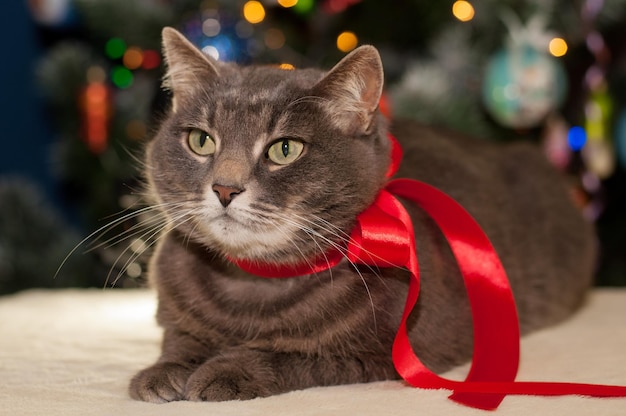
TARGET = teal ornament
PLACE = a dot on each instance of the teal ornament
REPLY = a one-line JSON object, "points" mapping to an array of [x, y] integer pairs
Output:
{"points": [[620, 138], [523, 85]]}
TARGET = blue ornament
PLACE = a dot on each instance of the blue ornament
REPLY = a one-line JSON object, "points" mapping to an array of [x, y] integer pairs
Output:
{"points": [[523, 85]]}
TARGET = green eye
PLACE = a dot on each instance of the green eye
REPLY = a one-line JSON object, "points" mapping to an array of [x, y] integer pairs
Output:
{"points": [[201, 143], [285, 151]]}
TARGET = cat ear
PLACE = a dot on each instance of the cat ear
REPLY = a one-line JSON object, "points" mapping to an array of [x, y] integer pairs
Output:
{"points": [[187, 66], [353, 89]]}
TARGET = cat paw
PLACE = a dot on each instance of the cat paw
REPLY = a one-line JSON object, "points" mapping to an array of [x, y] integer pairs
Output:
{"points": [[163, 382], [223, 379]]}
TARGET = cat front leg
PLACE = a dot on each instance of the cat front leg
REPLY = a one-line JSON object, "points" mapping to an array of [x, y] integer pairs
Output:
{"points": [[165, 381], [243, 374]]}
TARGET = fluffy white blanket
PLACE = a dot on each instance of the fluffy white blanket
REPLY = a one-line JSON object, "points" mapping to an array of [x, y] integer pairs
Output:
{"points": [[72, 352]]}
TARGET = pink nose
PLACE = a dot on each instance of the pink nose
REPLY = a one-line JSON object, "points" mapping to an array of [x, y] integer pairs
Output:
{"points": [[226, 193]]}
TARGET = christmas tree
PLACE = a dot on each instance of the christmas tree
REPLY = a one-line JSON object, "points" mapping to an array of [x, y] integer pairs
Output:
{"points": [[551, 72]]}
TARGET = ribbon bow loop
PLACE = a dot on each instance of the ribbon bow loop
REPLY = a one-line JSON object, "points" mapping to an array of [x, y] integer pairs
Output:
{"points": [[381, 238]]}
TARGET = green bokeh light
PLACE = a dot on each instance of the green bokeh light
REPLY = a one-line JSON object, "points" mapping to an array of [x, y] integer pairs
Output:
{"points": [[304, 6], [115, 48], [122, 77]]}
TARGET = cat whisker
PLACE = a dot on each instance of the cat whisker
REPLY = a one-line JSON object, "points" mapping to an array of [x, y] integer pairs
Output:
{"points": [[95, 235], [149, 238], [343, 236], [129, 233], [313, 233]]}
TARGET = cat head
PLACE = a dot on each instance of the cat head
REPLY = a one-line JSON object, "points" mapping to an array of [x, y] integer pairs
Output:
{"points": [[261, 163]]}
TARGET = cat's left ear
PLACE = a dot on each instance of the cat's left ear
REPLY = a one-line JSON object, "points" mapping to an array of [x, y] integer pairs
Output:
{"points": [[187, 66], [353, 89]]}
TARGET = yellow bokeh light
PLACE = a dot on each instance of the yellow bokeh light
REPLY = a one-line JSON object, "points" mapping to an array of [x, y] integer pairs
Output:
{"points": [[558, 47], [463, 10], [287, 3], [347, 41], [287, 67], [253, 11]]}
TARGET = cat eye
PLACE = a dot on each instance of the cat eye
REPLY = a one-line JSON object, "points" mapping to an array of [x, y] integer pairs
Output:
{"points": [[200, 142], [285, 151]]}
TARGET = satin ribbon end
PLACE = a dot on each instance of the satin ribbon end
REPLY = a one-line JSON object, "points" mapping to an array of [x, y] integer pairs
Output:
{"points": [[483, 401]]}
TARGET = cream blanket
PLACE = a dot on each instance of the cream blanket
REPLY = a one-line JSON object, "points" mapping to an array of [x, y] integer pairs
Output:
{"points": [[72, 352]]}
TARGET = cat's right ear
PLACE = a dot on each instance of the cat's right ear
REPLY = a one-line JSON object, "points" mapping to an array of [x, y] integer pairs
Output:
{"points": [[352, 90], [187, 66]]}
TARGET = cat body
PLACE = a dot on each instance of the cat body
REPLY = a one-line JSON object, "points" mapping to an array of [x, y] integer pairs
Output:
{"points": [[273, 166]]}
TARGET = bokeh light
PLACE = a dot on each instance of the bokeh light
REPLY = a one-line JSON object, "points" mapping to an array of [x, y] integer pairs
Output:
{"points": [[244, 30], [463, 10], [151, 59], [135, 130], [253, 11], [211, 27], [133, 58], [287, 3], [274, 38], [211, 51], [121, 77], [287, 67], [115, 48], [558, 47], [576, 138], [347, 41], [96, 74], [96, 108], [304, 6]]}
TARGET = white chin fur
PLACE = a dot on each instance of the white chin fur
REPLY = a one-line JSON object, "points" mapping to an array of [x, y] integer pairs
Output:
{"points": [[236, 232], [238, 240]]}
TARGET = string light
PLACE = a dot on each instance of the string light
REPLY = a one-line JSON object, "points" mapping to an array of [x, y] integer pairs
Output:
{"points": [[96, 110], [304, 7], [557, 47], [347, 41], [253, 11], [211, 27], [211, 51], [151, 59], [122, 77], [244, 30], [133, 58], [115, 48], [338, 6], [96, 74], [463, 10], [576, 138], [135, 129], [274, 38], [287, 3]]}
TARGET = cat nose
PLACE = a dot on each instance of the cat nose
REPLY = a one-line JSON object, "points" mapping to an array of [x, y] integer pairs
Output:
{"points": [[226, 193]]}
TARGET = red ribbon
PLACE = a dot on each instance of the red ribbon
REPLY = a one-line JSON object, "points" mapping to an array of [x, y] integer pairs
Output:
{"points": [[383, 237]]}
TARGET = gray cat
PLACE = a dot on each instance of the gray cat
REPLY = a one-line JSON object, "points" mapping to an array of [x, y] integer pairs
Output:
{"points": [[268, 165]]}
